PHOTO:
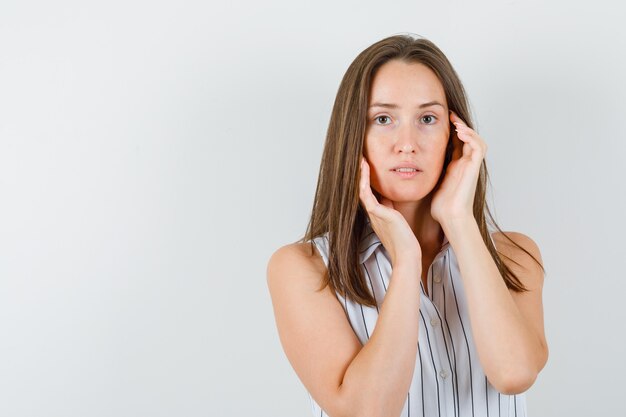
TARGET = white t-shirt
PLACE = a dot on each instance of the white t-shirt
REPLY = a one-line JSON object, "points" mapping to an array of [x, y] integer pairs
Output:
{"points": [[448, 380]]}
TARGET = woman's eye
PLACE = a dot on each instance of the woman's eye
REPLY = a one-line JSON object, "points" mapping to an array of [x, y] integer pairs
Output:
{"points": [[429, 117], [381, 117], [385, 120]]}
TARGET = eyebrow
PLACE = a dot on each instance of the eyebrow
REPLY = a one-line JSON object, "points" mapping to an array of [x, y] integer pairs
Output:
{"points": [[395, 106]]}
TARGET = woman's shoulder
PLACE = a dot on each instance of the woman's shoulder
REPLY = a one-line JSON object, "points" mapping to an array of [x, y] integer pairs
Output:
{"points": [[507, 239], [298, 261], [297, 252], [509, 244]]}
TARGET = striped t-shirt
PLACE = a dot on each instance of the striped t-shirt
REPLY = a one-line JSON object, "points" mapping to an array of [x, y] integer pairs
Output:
{"points": [[448, 380]]}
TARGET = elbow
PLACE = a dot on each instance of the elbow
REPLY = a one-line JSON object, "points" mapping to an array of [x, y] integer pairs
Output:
{"points": [[516, 384], [517, 380]]}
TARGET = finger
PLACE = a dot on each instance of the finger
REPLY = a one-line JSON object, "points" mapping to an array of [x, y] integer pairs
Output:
{"points": [[472, 133], [365, 190], [456, 119], [473, 145], [465, 133], [469, 135], [462, 126], [457, 146]]}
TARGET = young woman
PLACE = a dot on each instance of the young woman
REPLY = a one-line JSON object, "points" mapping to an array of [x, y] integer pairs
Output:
{"points": [[400, 300]]}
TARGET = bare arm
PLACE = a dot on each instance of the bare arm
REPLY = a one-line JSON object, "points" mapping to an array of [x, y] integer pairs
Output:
{"points": [[507, 326], [345, 378], [380, 375]]}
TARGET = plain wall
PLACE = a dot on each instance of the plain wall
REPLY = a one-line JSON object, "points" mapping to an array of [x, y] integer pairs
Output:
{"points": [[153, 155]]}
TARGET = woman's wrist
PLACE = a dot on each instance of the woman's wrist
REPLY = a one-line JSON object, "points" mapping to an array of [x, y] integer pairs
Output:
{"points": [[408, 260], [459, 226]]}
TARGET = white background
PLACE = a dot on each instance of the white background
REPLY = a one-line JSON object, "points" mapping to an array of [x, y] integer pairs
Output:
{"points": [[153, 155]]}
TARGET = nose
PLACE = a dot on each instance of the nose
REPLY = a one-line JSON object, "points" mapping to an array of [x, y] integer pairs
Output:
{"points": [[407, 148], [406, 141]]}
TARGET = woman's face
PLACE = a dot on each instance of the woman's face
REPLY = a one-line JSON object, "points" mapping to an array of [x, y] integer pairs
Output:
{"points": [[407, 125]]}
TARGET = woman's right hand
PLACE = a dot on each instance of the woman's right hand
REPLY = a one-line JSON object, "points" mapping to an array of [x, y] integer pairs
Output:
{"points": [[389, 225]]}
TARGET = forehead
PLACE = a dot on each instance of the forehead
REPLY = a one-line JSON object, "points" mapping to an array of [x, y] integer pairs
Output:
{"points": [[400, 82]]}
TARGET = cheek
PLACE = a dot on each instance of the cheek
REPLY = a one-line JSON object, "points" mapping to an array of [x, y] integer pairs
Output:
{"points": [[438, 147], [376, 173], [374, 154], [433, 153]]}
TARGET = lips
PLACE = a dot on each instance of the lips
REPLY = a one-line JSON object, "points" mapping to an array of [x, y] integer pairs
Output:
{"points": [[406, 167]]}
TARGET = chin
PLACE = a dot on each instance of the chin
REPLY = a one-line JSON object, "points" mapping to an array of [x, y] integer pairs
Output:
{"points": [[403, 196]]}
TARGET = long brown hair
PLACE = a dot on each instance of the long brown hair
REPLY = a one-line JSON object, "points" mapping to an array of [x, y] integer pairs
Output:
{"points": [[337, 209]]}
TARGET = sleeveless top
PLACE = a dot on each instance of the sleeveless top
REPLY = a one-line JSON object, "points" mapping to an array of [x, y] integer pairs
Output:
{"points": [[448, 380]]}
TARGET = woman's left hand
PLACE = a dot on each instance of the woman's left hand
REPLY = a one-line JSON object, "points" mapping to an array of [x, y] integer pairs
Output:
{"points": [[454, 199]]}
